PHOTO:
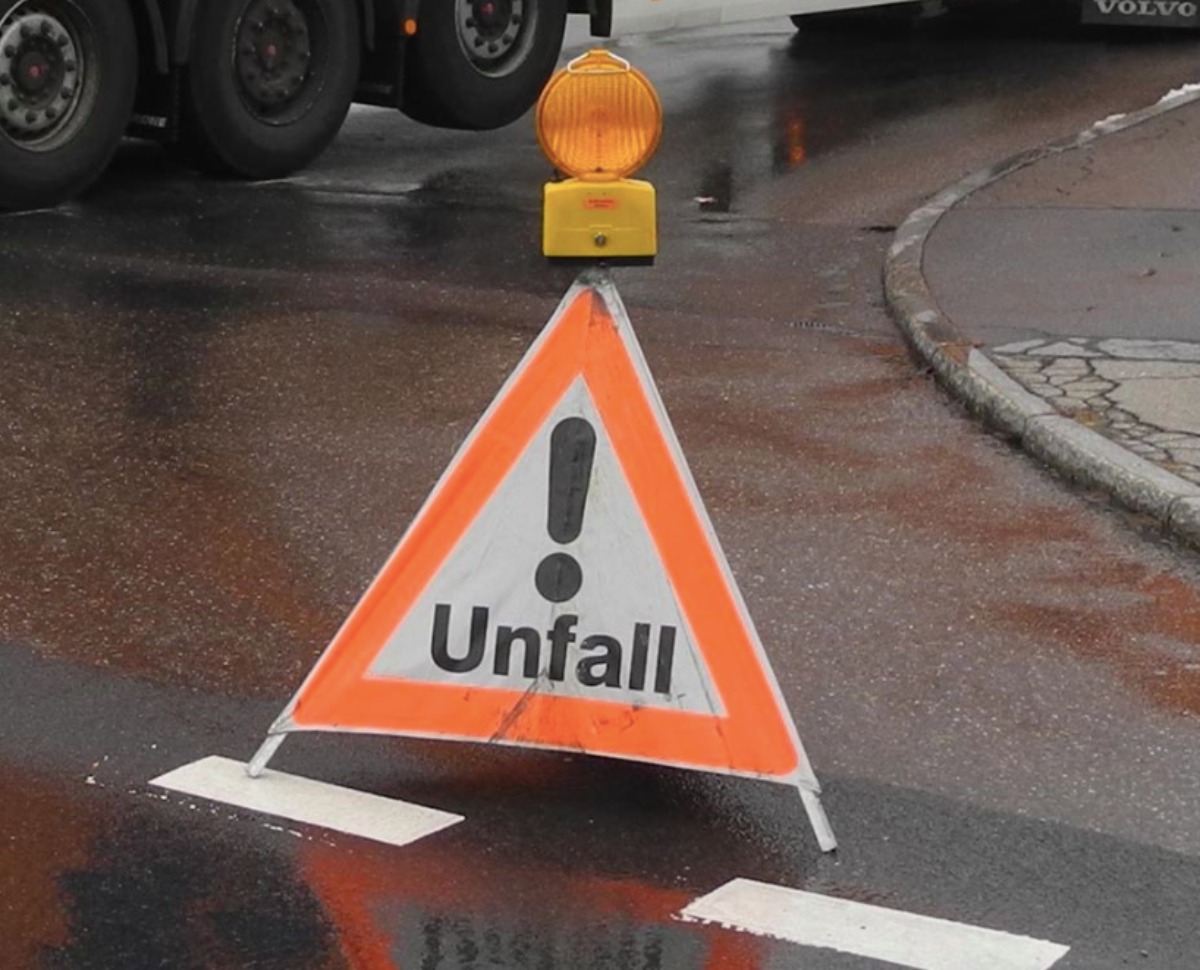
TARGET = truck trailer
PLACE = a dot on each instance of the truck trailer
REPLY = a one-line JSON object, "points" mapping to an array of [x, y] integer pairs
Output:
{"points": [[256, 89]]}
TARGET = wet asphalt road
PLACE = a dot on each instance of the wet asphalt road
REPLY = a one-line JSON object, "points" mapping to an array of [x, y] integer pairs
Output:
{"points": [[223, 403]]}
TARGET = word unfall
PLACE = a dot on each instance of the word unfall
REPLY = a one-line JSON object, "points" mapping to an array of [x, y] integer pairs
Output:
{"points": [[602, 666]]}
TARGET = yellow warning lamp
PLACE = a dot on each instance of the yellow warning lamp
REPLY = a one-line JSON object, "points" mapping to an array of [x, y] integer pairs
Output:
{"points": [[599, 121]]}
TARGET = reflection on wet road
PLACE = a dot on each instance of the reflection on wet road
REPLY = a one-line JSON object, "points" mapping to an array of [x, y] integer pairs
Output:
{"points": [[91, 883]]}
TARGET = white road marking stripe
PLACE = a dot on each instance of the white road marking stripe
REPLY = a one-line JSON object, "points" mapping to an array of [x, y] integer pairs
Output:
{"points": [[920, 942], [304, 800]]}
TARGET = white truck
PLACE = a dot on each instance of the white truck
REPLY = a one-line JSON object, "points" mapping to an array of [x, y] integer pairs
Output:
{"points": [[258, 88]]}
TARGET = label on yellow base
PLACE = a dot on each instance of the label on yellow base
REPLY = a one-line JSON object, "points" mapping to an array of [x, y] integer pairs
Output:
{"points": [[599, 220]]}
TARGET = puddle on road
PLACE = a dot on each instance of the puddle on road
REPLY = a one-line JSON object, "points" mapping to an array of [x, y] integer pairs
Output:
{"points": [[44, 836], [87, 882], [457, 910]]}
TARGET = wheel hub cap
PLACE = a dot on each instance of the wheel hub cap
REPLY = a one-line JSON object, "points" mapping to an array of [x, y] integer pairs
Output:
{"points": [[273, 53], [492, 16], [33, 72], [39, 73], [490, 29]]}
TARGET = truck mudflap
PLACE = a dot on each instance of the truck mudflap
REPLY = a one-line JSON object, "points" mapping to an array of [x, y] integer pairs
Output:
{"points": [[1145, 13]]}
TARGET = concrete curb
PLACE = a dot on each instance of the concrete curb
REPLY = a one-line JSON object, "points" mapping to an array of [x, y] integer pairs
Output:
{"points": [[1075, 451]]}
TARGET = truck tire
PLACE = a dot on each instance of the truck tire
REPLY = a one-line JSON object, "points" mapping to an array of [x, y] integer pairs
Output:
{"points": [[481, 64], [269, 83], [68, 74]]}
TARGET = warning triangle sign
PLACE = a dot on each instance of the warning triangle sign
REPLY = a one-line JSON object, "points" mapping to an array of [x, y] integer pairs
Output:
{"points": [[562, 587]]}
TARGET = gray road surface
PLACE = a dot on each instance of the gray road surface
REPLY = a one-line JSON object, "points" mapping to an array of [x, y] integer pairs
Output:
{"points": [[225, 402]]}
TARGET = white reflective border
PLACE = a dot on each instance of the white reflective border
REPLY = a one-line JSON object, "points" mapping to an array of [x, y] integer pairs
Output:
{"points": [[906, 939], [299, 799]]}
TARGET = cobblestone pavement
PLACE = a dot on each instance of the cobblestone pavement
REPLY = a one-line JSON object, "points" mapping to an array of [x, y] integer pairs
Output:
{"points": [[1143, 394]]}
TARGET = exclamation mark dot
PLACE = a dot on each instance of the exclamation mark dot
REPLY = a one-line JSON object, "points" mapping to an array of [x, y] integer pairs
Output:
{"points": [[572, 446]]}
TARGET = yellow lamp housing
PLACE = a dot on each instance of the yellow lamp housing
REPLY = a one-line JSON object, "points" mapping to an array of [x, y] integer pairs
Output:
{"points": [[599, 121]]}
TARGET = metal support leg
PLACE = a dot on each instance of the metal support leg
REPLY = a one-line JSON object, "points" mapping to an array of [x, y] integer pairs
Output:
{"points": [[264, 754], [819, 821]]}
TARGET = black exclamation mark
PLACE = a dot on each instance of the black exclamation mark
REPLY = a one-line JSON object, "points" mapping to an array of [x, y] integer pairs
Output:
{"points": [[572, 447]]}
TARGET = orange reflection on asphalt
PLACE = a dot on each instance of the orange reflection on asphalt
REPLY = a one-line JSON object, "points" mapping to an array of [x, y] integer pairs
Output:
{"points": [[795, 148], [45, 836], [443, 907]]}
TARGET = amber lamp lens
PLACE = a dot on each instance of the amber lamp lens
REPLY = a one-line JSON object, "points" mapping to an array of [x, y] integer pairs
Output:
{"points": [[599, 118]]}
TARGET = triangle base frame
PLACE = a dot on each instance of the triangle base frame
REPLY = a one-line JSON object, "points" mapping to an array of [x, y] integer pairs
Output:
{"points": [[811, 800]]}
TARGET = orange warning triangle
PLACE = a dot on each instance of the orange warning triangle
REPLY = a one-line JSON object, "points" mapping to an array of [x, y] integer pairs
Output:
{"points": [[613, 628]]}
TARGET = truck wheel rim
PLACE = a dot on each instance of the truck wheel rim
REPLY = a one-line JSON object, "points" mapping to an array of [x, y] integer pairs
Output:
{"points": [[276, 59], [495, 35], [44, 74]]}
